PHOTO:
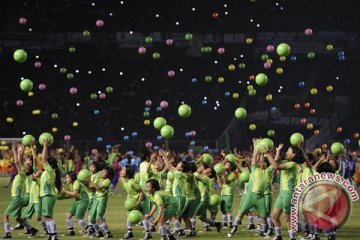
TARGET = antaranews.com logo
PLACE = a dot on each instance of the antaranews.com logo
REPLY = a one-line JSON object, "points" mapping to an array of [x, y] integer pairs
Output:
{"points": [[325, 200]]}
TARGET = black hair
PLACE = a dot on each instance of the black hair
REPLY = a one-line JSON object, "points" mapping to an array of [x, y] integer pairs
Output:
{"points": [[311, 157], [186, 167], [193, 167], [72, 175], [154, 183], [145, 154], [110, 172], [299, 156], [29, 170], [99, 165], [128, 159], [232, 166], [130, 172], [53, 164], [213, 173], [325, 167], [205, 165]]}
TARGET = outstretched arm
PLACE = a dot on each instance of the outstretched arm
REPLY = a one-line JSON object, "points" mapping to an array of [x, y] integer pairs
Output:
{"points": [[45, 152]]}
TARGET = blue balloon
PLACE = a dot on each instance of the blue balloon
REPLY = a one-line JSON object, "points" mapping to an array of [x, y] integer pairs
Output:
{"points": [[134, 134], [193, 80], [347, 141], [341, 58], [273, 109], [301, 84], [147, 109], [341, 53], [108, 147], [156, 148], [206, 148], [99, 139], [204, 102], [187, 134], [293, 58], [192, 143], [158, 109], [96, 112], [159, 138], [126, 138], [130, 152], [227, 94]]}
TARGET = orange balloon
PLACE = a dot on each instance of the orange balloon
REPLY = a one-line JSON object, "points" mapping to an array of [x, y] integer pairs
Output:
{"points": [[307, 105], [356, 135], [324, 146], [297, 106], [215, 15], [312, 111], [339, 129], [316, 132], [251, 77]]}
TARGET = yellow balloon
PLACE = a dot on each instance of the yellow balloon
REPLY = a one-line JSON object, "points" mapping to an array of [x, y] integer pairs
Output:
{"points": [[30, 94], [9, 120], [252, 127], [54, 129], [268, 97], [269, 61], [250, 87], [329, 47], [147, 122], [249, 40], [231, 67], [60, 150], [75, 124], [221, 79], [282, 59], [235, 95], [309, 126], [3, 142], [313, 91], [329, 88], [279, 70], [5, 148]]}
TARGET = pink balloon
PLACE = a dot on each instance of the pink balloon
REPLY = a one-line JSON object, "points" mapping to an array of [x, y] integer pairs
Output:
{"points": [[142, 50], [192, 133], [270, 48], [169, 42], [267, 65], [221, 50], [148, 102], [148, 144], [94, 151], [67, 137], [19, 103], [73, 90], [42, 87], [99, 23], [102, 96], [164, 104], [37, 64], [308, 32], [22, 21], [171, 73]]}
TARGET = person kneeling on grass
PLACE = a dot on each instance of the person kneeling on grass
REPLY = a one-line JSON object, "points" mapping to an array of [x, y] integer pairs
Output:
{"points": [[166, 205]]}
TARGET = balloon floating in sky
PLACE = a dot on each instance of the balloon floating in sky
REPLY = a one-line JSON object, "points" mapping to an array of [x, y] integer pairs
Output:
{"points": [[20, 56], [26, 85], [283, 49], [22, 21], [184, 111], [99, 23]]}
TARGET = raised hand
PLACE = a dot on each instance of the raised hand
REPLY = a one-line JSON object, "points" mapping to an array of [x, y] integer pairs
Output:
{"points": [[279, 147]]}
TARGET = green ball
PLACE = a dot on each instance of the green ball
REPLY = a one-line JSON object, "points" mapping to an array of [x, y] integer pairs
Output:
{"points": [[252, 92], [208, 49], [109, 89], [20, 56], [156, 55], [134, 216], [63, 70], [296, 139], [215, 199], [170, 175], [54, 116], [283, 49], [188, 36], [148, 40], [264, 57], [240, 113], [311, 55], [268, 143], [244, 176], [231, 177], [184, 111], [337, 148], [83, 174], [69, 76], [27, 139], [130, 203], [207, 158], [46, 136], [208, 78], [230, 157], [86, 33], [167, 131], [26, 85], [218, 168], [146, 114], [242, 65], [271, 133], [203, 49], [261, 79], [72, 49], [159, 122], [93, 96]]}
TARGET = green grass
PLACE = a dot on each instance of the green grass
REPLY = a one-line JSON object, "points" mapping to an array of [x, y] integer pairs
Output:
{"points": [[116, 219]]}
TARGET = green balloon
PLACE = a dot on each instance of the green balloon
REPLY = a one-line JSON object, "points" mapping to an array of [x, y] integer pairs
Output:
{"points": [[283, 49], [134, 216], [93, 96], [271, 133], [26, 85], [230, 157], [252, 92], [184, 111], [69, 76], [261, 79], [46, 136], [311, 55], [203, 49], [337, 148], [156, 55], [268, 143], [20, 56], [146, 114], [242, 65], [148, 40], [264, 57], [218, 168], [296, 139], [167, 131], [83, 175], [159, 122], [72, 49], [130, 203], [86, 33], [215, 199], [244, 176], [188, 36], [27, 139], [109, 89], [208, 49], [208, 78], [207, 158], [63, 70], [54, 116], [240, 113]]}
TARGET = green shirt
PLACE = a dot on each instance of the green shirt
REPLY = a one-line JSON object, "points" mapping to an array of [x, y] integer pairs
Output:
{"points": [[104, 192], [34, 192], [132, 187], [95, 179], [288, 176], [159, 176], [203, 184], [190, 184], [179, 184], [169, 186], [47, 182], [143, 175], [18, 186], [228, 189], [111, 158], [268, 177], [27, 185], [81, 189], [161, 198], [256, 180]]}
